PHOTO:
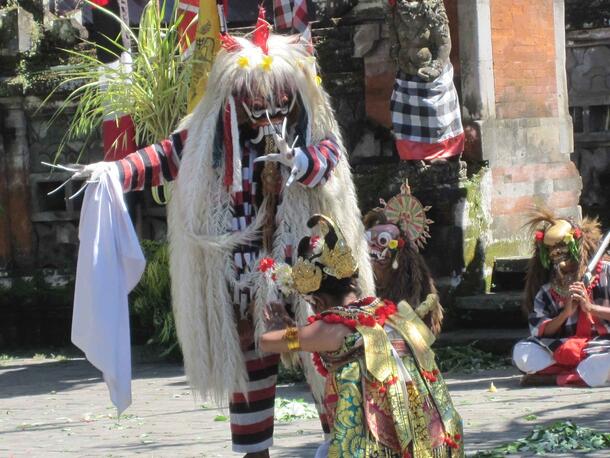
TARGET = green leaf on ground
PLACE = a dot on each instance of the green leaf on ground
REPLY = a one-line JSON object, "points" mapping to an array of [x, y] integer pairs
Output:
{"points": [[289, 410], [221, 418], [561, 437], [468, 359], [530, 417]]}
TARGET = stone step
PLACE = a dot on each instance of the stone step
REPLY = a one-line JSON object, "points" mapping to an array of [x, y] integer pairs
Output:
{"points": [[502, 301], [511, 264], [509, 273]]}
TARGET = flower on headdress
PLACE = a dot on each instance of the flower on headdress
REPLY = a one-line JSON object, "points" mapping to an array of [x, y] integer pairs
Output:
{"points": [[539, 236], [401, 243], [265, 264], [393, 244], [568, 239], [577, 233], [266, 63], [243, 61], [318, 80]]}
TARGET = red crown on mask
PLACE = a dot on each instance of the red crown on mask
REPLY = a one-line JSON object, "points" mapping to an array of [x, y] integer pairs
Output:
{"points": [[259, 36], [261, 31]]}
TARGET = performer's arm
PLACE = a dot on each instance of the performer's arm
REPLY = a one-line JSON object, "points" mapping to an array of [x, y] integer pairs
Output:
{"points": [[581, 296], [152, 165], [314, 164], [601, 311], [553, 326], [311, 165], [315, 337], [542, 324]]}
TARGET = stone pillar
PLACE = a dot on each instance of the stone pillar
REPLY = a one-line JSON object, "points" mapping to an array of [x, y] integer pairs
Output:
{"points": [[16, 175], [514, 102], [5, 231]]}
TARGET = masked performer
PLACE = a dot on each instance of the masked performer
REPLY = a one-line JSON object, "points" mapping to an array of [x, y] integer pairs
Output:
{"points": [[569, 321], [384, 395], [395, 232], [260, 153]]}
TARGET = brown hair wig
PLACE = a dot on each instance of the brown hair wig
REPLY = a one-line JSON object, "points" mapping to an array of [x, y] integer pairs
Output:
{"points": [[537, 275], [415, 281]]}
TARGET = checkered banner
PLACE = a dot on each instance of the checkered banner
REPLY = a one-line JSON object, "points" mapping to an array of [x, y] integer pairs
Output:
{"points": [[290, 14], [426, 117]]}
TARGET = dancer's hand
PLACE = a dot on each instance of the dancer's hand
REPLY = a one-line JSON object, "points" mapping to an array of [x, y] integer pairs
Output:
{"points": [[91, 173], [285, 155], [276, 317], [580, 296], [569, 308]]}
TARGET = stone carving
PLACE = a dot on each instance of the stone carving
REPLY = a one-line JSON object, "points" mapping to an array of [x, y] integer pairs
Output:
{"points": [[419, 36]]}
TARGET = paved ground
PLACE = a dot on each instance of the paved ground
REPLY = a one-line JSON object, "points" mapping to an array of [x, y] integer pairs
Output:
{"points": [[54, 408]]}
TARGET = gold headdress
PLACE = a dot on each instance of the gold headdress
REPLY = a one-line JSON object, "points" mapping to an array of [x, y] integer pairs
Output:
{"points": [[319, 256], [407, 212]]}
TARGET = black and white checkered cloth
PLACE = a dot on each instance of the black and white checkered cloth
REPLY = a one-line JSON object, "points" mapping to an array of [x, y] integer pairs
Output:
{"points": [[426, 112]]}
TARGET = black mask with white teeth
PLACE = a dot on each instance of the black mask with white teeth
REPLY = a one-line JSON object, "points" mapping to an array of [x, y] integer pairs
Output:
{"points": [[268, 118]]}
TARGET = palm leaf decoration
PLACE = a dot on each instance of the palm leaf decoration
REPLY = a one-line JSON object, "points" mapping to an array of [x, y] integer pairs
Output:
{"points": [[154, 93]]}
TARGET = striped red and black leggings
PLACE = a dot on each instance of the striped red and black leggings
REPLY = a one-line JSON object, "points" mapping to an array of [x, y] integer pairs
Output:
{"points": [[252, 419]]}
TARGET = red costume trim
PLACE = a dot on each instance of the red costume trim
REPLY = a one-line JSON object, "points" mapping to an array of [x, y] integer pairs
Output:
{"points": [[413, 151], [381, 314]]}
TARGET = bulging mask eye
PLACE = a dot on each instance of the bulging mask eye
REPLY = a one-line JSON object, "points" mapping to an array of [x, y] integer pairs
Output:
{"points": [[384, 239], [258, 108]]}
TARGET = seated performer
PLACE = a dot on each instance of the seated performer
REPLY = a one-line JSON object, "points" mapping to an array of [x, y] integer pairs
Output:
{"points": [[395, 233], [384, 395], [569, 321]]}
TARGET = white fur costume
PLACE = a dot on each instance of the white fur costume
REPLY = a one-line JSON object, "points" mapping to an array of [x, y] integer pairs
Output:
{"points": [[199, 217]]}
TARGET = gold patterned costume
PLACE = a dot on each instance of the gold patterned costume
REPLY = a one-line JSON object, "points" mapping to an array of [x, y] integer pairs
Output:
{"points": [[384, 394]]}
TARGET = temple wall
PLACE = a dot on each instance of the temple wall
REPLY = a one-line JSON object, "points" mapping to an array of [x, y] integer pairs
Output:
{"points": [[588, 69]]}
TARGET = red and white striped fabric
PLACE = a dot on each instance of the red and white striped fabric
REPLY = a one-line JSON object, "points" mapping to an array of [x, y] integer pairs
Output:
{"points": [[315, 163], [290, 15], [188, 10]]}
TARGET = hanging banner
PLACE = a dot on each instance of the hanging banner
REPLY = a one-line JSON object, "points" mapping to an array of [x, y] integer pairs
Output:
{"points": [[206, 47], [188, 10]]}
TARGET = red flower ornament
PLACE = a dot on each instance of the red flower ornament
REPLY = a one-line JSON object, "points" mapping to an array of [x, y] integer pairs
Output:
{"points": [[266, 264]]}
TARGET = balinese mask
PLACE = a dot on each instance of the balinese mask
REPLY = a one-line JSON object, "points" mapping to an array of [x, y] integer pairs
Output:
{"points": [[383, 241]]}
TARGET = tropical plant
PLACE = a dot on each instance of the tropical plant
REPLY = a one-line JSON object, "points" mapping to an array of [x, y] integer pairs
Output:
{"points": [[151, 299], [153, 89]]}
